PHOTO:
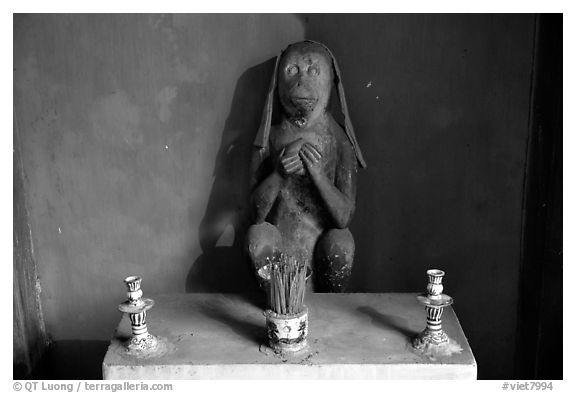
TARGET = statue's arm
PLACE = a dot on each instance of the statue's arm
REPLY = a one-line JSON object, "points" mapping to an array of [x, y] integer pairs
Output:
{"points": [[339, 196], [266, 183]]}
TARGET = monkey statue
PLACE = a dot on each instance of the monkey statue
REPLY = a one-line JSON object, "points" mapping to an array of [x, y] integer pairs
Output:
{"points": [[304, 167]]}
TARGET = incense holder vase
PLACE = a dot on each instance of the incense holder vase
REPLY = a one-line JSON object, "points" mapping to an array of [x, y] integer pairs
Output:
{"points": [[287, 333]]}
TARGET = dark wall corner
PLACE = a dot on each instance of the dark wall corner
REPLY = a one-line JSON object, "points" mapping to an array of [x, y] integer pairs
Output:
{"points": [[538, 349]]}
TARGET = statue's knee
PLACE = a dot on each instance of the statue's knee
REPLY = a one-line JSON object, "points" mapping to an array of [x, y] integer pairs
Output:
{"points": [[262, 240], [333, 260], [336, 244]]}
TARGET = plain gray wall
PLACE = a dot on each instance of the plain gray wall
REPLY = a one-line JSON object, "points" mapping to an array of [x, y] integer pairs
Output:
{"points": [[136, 129], [121, 119]]}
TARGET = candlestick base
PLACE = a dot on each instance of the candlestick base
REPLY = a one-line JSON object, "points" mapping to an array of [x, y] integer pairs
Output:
{"points": [[429, 337], [146, 343], [435, 344]]}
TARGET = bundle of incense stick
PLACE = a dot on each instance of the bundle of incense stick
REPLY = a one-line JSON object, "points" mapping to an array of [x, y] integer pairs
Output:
{"points": [[287, 285]]}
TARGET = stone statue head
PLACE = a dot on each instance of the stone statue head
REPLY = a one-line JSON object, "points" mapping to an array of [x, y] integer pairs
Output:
{"points": [[304, 75], [305, 78]]}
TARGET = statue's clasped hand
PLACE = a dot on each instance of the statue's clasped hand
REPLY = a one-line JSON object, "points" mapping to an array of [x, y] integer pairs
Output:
{"points": [[312, 159], [290, 162], [299, 156]]}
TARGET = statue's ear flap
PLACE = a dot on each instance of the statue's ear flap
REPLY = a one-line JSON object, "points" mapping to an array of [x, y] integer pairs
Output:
{"points": [[344, 108], [263, 135]]}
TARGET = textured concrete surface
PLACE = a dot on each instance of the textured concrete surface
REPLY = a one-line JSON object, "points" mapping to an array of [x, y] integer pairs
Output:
{"points": [[350, 336]]}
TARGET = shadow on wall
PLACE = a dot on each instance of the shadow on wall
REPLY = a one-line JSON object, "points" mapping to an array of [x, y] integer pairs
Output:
{"points": [[223, 265]]}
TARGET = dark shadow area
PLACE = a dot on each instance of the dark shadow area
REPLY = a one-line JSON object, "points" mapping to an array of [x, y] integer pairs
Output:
{"points": [[387, 321], [71, 359], [226, 268], [249, 331], [539, 331]]}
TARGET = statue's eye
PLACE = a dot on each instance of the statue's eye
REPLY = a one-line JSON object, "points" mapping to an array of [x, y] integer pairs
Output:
{"points": [[313, 71], [292, 70]]}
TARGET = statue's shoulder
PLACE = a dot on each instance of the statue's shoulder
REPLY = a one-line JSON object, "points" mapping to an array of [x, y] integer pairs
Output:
{"points": [[275, 139], [274, 129]]}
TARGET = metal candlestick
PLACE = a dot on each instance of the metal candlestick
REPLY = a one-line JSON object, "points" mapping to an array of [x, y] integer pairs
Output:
{"points": [[136, 308], [435, 301]]}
